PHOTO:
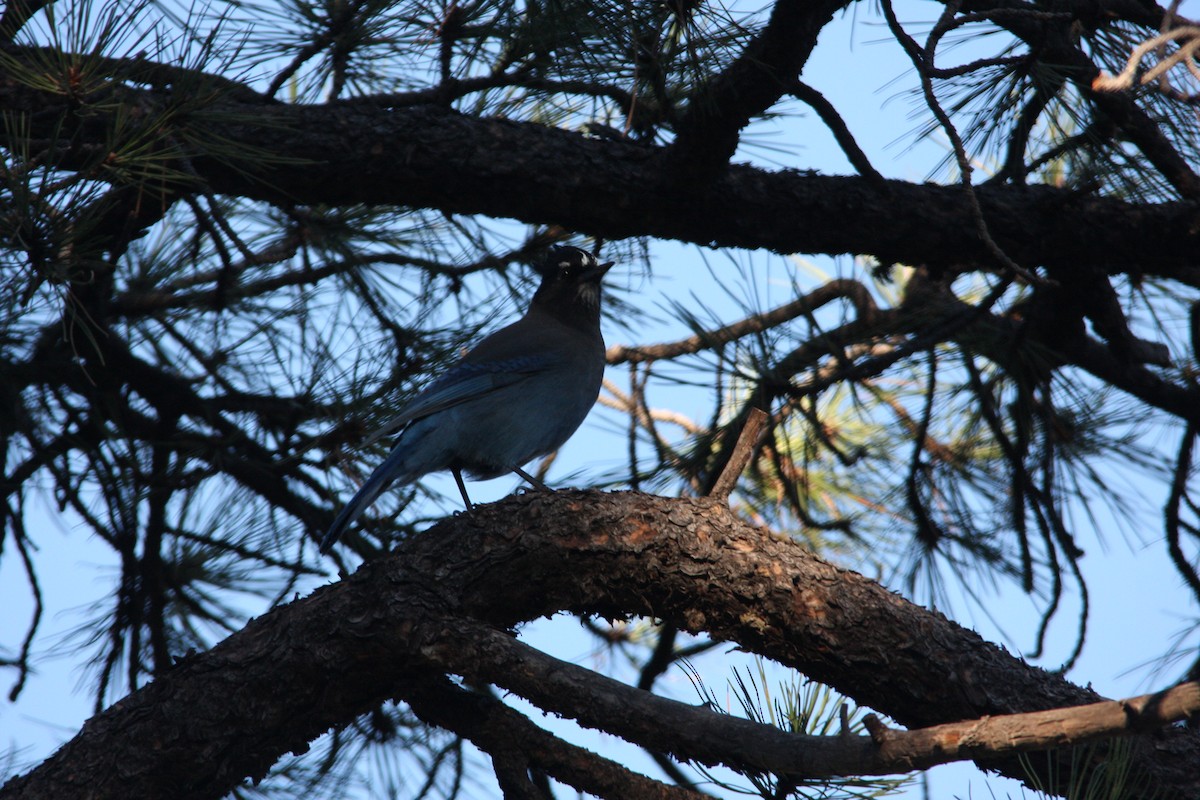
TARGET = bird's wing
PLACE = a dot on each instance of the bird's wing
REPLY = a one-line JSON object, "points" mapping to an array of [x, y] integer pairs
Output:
{"points": [[465, 381]]}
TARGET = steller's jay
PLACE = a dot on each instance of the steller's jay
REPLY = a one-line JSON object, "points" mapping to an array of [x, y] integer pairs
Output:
{"points": [[518, 394]]}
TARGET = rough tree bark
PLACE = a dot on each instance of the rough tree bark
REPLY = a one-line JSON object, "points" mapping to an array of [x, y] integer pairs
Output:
{"points": [[427, 156], [443, 602]]}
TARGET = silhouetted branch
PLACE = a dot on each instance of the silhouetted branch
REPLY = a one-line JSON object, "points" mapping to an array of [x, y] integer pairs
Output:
{"points": [[851, 290], [414, 156], [228, 714], [494, 727]]}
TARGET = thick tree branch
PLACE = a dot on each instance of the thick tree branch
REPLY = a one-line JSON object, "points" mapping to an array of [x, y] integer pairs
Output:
{"points": [[217, 718], [695, 733], [426, 156], [707, 135]]}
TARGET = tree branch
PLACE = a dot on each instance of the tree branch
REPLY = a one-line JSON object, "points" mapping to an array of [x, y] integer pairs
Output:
{"points": [[838, 127], [707, 135], [493, 726], [851, 290], [220, 717], [697, 733], [16, 14], [431, 157], [1055, 44]]}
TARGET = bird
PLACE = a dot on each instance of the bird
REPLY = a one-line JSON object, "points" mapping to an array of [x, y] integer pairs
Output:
{"points": [[520, 393]]}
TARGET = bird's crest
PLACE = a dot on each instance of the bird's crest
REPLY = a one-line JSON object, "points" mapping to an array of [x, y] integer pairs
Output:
{"points": [[564, 260]]}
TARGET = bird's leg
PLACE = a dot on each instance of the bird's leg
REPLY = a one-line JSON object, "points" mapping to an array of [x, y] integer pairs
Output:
{"points": [[462, 488], [532, 480]]}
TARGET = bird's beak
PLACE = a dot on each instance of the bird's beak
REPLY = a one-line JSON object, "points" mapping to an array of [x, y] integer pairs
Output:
{"points": [[597, 272]]}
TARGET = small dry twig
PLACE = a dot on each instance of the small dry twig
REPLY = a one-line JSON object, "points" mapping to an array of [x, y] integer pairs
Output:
{"points": [[1188, 38], [742, 451]]}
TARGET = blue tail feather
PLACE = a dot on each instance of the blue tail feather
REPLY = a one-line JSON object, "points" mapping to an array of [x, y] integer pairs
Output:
{"points": [[383, 477]]}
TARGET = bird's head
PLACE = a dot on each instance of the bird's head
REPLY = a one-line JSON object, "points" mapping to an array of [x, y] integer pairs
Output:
{"points": [[570, 286]]}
